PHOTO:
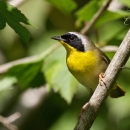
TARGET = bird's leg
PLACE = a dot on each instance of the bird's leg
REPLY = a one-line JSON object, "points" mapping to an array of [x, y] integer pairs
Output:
{"points": [[101, 76]]}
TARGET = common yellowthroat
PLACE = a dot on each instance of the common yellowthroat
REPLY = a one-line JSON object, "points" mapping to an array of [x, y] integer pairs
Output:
{"points": [[86, 62]]}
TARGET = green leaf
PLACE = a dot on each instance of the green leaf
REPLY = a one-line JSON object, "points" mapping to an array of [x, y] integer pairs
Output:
{"points": [[110, 16], [106, 34], [126, 3], [58, 76], [13, 17], [38, 80], [28, 71], [86, 12], [2, 22], [7, 82], [65, 6], [25, 73], [122, 34]]}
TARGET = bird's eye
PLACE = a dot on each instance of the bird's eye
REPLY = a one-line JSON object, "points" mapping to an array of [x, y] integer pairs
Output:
{"points": [[71, 38]]}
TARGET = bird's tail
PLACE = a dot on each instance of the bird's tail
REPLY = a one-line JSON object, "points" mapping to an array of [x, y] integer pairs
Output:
{"points": [[117, 91]]}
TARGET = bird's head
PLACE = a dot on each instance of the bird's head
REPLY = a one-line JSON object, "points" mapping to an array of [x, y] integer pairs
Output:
{"points": [[75, 41]]}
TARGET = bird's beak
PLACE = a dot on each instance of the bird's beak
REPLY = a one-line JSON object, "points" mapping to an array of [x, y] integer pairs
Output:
{"points": [[61, 40], [57, 38]]}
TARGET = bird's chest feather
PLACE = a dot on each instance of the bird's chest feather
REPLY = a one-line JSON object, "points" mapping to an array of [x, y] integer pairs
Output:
{"points": [[81, 62]]}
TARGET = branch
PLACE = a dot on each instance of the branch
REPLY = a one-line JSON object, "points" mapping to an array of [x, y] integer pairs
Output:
{"points": [[88, 26], [7, 121], [109, 48], [125, 67], [5, 67], [91, 109]]}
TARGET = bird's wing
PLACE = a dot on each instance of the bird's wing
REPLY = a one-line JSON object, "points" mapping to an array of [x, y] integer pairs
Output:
{"points": [[104, 57]]}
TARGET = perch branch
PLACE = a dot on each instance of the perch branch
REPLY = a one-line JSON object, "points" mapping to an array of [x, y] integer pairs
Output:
{"points": [[92, 107]]}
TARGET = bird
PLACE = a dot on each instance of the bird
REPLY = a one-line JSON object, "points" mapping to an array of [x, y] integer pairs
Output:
{"points": [[86, 62]]}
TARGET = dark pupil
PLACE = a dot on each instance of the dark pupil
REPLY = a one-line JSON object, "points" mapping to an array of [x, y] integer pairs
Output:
{"points": [[71, 38]]}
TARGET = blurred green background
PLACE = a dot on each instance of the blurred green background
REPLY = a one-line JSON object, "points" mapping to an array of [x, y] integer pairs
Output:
{"points": [[42, 90]]}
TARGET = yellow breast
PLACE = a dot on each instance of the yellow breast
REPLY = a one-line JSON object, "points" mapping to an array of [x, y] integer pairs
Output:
{"points": [[81, 62], [83, 67]]}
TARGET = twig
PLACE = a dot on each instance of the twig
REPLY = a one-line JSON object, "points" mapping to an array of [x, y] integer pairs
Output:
{"points": [[88, 27], [16, 3], [92, 108], [5, 67], [125, 67], [109, 48], [7, 121], [14, 117]]}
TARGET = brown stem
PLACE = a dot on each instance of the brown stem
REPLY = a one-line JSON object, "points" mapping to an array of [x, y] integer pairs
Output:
{"points": [[97, 15]]}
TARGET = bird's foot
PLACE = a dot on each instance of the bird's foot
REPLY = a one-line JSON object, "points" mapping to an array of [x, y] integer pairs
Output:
{"points": [[101, 81]]}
